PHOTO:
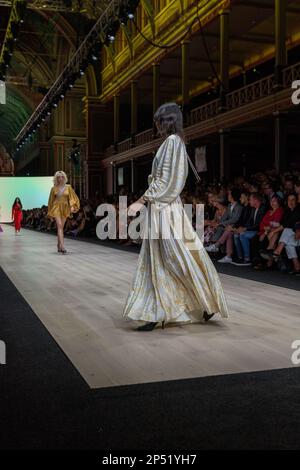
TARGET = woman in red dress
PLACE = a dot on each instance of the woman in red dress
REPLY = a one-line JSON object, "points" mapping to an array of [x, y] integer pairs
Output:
{"points": [[17, 214]]}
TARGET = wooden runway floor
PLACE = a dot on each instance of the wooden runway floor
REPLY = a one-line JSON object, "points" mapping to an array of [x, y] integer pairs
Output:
{"points": [[79, 298]]}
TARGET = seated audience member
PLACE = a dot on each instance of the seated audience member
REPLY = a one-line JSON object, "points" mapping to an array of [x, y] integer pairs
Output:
{"points": [[227, 237], [290, 240], [90, 217], [267, 234], [76, 224], [291, 215], [231, 217], [288, 185], [210, 208], [297, 190], [292, 243], [270, 189], [211, 234], [245, 233]]}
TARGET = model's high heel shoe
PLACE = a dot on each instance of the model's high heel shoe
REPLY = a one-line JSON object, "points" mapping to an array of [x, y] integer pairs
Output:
{"points": [[150, 326], [207, 316], [63, 251]]}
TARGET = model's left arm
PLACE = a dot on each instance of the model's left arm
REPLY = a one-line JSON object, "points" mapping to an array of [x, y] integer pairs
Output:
{"points": [[73, 200], [171, 173]]}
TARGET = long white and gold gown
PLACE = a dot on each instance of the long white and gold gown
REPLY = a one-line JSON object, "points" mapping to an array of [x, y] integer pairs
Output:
{"points": [[175, 280]]}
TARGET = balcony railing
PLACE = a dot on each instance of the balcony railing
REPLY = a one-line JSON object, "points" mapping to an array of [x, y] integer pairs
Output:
{"points": [[125, 145], [290, 74], [204, 112], [245, 95], [144, 137], [110, 151], [250, 93]]}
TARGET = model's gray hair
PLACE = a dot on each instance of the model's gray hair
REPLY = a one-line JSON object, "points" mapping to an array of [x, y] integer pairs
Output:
{"points": [[169, 120]]}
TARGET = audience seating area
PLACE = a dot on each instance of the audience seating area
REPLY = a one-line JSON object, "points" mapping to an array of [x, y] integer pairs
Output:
{"points": [[248, 221]]}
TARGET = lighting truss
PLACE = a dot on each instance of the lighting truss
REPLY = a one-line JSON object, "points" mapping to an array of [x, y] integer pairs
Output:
{"points": [[16, 17], [88, 7], [75, 68], [52, 5]]}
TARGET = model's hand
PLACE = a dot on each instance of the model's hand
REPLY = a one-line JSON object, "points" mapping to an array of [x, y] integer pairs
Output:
{"points": [[135, 207], [72, 210]]}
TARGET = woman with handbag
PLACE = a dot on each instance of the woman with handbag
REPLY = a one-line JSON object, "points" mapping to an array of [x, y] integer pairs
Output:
{"points": [[63, 202], [175, 279]]}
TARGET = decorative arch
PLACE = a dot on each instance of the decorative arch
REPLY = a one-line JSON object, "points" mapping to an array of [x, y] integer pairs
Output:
{"points": [[91, 82], [13, 115]]}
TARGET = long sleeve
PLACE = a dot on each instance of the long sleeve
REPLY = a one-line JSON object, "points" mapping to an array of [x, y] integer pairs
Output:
{"points": [[73, 199], [254, 226], [268, 218], [51, 200], [170, 173], [233, 218]]}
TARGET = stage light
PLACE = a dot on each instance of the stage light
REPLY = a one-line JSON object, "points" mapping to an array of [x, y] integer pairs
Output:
{"points": [[89, 53], [14, 26], [83, 67]]}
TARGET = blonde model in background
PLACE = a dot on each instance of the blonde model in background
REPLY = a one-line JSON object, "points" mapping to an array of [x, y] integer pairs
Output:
{"points": [[63, 202]]}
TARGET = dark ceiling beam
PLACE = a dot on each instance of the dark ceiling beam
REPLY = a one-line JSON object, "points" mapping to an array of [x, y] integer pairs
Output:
{"points": [[249, 37], [202, 60], [37, 33], [171, 76], [265, 6]]}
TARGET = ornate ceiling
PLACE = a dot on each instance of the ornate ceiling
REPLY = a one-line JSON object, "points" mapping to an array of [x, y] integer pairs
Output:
{"points": [[51, 32]]}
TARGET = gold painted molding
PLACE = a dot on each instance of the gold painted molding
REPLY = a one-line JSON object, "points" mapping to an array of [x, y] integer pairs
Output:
{"points": [[170, 25]]}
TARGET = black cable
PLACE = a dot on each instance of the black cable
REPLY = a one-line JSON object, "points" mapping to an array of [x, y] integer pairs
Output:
{"points": [[162, 46], [170, 46], [207, 50]]}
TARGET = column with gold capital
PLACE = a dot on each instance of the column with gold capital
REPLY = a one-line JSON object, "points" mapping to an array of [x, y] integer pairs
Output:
{"points": [[99, 136], [185, 75], [224, 56]]}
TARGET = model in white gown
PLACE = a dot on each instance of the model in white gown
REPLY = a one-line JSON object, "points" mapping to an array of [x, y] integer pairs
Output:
{"points": [[175, 280]]}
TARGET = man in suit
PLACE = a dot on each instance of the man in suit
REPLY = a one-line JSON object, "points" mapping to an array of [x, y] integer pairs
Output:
{"points": [[231, 217], [244, 235]]}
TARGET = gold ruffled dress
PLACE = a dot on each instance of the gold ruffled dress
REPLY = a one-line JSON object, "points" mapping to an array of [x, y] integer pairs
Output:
{"points": [[59, 205], [175, 280]]}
